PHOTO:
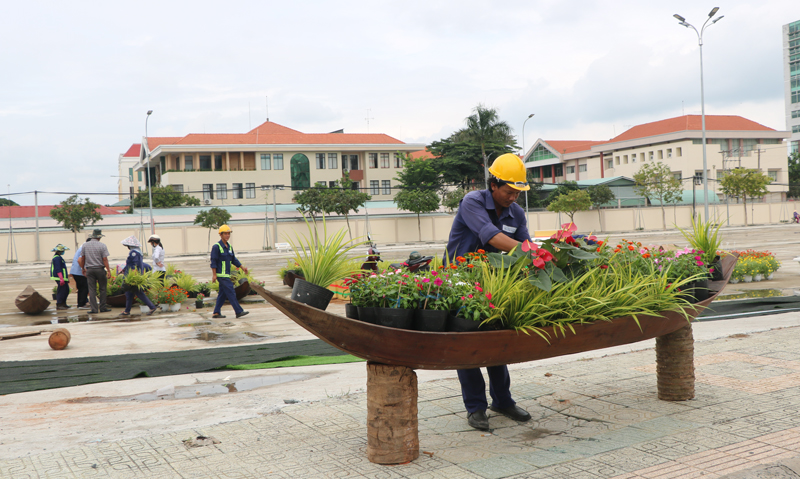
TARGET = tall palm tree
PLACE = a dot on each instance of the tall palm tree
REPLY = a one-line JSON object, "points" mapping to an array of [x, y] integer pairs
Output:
{"points": [[484, 126]]}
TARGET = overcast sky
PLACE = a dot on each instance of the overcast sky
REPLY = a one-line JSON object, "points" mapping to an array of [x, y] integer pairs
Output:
{"points": [[77, 78]]}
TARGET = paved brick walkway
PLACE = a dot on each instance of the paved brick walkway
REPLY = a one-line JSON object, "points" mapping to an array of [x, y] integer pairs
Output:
{"points": [[595, 418]]}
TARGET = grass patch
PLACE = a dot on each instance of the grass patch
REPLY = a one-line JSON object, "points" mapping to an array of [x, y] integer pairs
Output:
{"points": [[293, 361]]}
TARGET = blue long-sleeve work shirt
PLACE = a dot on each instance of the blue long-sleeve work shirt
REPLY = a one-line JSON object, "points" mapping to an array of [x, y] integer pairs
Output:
{"points": [[221, 259], [477, 222]]}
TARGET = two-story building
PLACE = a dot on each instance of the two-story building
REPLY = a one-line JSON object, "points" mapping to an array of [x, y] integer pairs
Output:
{"points": [[731, 141], [232, 168], [129, 181]]}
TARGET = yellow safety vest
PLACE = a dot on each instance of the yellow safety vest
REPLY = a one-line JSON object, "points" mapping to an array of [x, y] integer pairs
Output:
{"points": [[54, 274]]}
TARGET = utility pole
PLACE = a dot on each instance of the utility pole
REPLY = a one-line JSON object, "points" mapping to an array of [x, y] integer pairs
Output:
{"points": [[759, 150], [36, 214]]}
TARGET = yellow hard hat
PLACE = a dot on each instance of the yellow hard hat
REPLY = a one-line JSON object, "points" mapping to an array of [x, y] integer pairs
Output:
{"points": [[510, 169], [225, 229]]}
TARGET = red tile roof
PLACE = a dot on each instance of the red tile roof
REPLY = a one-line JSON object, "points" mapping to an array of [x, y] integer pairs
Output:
{"points": [[270, 133], [44, 211], [573, 146], [690, 123], [155, 141], [133, 151], [424, 154]]}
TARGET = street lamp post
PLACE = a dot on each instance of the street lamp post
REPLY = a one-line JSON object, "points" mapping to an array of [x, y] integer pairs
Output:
{"points": [[682, 21], [523, 154], [147, 175]]}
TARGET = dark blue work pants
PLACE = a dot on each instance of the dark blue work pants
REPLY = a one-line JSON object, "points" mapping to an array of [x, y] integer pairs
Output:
{"points": [[473, 388], [62, 292], [129, 295], [226, 292]]}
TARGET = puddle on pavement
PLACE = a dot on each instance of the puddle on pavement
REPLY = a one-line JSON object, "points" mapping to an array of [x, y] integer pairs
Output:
{"points": [[201, 390], [753, 293], [212, 336]]}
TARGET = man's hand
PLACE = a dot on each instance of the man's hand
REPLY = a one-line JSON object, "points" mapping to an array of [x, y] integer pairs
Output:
{"points": [[83, 270], [244, 269], [108, 274]]}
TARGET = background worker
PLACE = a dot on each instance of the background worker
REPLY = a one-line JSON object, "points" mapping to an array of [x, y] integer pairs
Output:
{"points": [[58, 273], [491, 220], [94, 263], [76, 273], [222, 257], [135, 261], [158, 256]]}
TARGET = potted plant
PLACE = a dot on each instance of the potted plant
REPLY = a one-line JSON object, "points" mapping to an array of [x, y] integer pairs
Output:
{"points": [[172, 297], [186, 282], [290, 272], [436, 293], [241, 281], [322, 259], [198, 303], [705, 238]]}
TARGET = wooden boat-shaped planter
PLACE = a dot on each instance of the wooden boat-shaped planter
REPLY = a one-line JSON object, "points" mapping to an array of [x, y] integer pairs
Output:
{"points": [[392, 354], [31, 302], [458, 350]]}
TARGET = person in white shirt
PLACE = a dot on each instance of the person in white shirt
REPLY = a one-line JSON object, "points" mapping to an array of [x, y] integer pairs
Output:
{"points": [[158, 255]]}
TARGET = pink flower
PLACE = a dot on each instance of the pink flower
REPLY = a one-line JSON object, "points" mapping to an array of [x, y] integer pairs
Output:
{"points": [[491, 306], [438, 281], [700, 263], [426, 280], [480, 290], [697, 258], [488, 295], [405, 276], [463, 298], [434, 273], [469, 296]]}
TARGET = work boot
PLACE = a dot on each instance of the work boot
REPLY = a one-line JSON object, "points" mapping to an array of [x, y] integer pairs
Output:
{"points": [[514, 412], [478, 420], [61, 307], [217, 316], [243, 313]]}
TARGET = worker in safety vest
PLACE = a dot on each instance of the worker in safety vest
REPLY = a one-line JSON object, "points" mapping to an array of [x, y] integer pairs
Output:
{"points": [[222, 259], [491, 220], [59, 274]]}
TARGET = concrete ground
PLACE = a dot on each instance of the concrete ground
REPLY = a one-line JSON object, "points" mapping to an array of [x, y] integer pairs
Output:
{"points": [[595, 414]]}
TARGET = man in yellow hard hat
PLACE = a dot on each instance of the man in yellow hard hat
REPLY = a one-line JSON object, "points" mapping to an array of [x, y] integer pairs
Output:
{"points": [[222, 257], [491, 220]]}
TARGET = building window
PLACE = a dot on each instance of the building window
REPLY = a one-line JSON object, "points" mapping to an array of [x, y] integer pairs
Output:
{"points": [[320, 161], [641, 157], [559, 170], [178, 188], [617, 158], [669, 152], [189, 162], [163, 162], [373, 160], [678, 151], [331, 184], [651, 156], [208, 192], [266, 163], [633, 157], [581, 168], [387, 187], [625, 159], [660, 154], [277, 161], [218, 162], [250, 190], [140, 175], [796, 129], [237, 191], [130, 174], [677, 176], [796, 114], [541, 153], [570, 170], [333, 161], [205, 162], [222, 191], [384, 160], [773, 174], [795, 146], [398, 160], [374, 187], [610, 163]]}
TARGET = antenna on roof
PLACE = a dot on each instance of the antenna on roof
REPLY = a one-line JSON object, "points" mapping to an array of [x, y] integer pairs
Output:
{"points": [[368, 118], [267, 108]]}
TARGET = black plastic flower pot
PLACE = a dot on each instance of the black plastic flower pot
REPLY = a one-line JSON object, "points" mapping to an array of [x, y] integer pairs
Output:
{"points": [[463, 325], [367, 314], [716, 275], [311, 294], [430, 320], [350, 311], [696, 291], [395, 317]]}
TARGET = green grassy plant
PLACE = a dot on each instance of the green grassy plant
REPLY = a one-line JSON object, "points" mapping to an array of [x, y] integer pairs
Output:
{"points": [[322, 258], [186, 282], [704, 237]]}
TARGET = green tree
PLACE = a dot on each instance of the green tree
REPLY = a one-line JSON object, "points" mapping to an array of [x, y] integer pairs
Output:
{"points": [[459, 159], [313, 201], [483, 127], [7, 202], [164, 197], [212, 219], [600, 195], [417, 201], [794, 175], [743, 182], [74, 214], [418, 173], [570, 203], [655, 181], [451, 199], [345, 199], [564, 188]]}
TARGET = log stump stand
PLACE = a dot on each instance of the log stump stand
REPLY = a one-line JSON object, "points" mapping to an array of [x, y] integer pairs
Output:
{"points": [[392, 424], [675, 365]]}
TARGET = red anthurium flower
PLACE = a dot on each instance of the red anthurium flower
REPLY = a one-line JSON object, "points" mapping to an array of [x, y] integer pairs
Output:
{"points": [[529, 246], [545, 255], [539, 263], [603, 266]]}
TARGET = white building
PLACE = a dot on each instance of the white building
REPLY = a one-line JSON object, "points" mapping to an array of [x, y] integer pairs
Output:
{"points": [[791, 77]]}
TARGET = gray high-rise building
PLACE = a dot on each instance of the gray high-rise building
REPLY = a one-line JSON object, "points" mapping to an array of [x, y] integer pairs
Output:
{"points": [[791, 76]]}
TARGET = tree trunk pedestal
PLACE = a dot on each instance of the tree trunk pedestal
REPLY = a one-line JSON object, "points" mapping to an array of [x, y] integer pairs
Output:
{"points": [[675, 365], [392, 424]]}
